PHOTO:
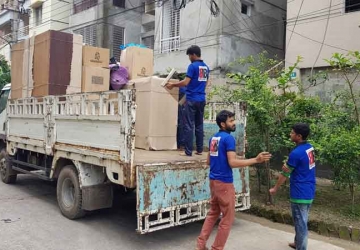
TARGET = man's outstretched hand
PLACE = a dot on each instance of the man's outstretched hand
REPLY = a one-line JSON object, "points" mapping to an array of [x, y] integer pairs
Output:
{"points": [[169, 86], [262, 157], [273, 191]]}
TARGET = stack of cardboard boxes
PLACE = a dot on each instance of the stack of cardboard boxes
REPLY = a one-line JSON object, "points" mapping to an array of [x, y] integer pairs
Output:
{"points": [[56, 63], [95, 69], [157, 107]]}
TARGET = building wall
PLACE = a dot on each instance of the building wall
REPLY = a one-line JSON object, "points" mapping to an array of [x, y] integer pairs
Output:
{"points": [[226, 37], [343, 32], [55, 16]]}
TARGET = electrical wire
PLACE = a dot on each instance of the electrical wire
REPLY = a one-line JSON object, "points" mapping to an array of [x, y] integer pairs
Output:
{"points": [[323, 41], [292, 32]]}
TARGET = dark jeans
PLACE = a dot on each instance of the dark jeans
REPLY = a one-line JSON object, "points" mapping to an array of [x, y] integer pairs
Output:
{"points": [[181, 122], [194, 119], [300, 214]]}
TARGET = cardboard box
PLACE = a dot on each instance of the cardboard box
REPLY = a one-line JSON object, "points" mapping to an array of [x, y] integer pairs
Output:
{"points": [[95, 79], [156, 114], [138, 61], [17, 69], [21, 69], [76, 65], [95, 57], [52, 63]]}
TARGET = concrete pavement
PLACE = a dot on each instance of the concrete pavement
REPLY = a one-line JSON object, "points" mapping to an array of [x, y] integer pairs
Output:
{"points": [[30, 220]]}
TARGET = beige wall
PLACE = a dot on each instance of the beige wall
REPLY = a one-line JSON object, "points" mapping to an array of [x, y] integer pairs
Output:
{"points": [[343, 32], [55, 16]]}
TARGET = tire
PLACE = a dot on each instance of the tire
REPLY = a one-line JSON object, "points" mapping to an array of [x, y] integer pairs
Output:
{"points": [[69, 194], [5, 169]]}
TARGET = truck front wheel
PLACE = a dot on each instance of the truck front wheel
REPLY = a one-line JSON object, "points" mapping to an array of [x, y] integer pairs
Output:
{"points": [[69, 194], [6, 173]]}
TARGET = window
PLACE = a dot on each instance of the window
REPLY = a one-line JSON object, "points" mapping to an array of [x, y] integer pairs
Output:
{"points": [[117, 39], [89, 34], [38, 16], [82, 5], [352, 5], [170, 35], [119, 3], [246, 9], [149, 42]]}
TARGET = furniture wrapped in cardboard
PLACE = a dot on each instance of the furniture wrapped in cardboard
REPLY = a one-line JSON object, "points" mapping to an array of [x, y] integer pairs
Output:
{"points": [[76, 65], [21, 68], [156, 114], [138, 61], [95, 57], [52, 63], [95, 79]]}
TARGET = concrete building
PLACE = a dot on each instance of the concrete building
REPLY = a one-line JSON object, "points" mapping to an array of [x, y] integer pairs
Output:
{"points": [[103, 23], [14, 23], [316, 30], [236, 29]]}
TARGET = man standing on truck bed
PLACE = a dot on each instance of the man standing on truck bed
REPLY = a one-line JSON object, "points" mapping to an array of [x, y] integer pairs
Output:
{"points": [[222, 159], [197, 77], [300, 167]]}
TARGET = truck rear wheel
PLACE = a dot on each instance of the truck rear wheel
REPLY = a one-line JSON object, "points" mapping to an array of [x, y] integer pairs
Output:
{"points": [[69, 193], [5, 169]]}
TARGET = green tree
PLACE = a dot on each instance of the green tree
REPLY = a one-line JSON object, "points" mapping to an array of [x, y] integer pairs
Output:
{"points": [[342, 151], [5, 76]]}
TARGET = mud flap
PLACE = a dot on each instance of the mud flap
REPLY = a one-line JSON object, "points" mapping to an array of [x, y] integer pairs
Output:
{"points": [[97, 197]]}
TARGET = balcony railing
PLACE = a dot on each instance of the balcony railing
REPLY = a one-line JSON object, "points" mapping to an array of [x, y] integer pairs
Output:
{"points": [[83, 5], [22, 33], [170, 44]]}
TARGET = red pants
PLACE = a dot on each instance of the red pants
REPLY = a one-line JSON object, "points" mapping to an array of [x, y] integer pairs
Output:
{"points": [[222, 201]]}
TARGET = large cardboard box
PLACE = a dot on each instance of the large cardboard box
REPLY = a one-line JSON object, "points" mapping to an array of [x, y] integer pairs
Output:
{"points": [[156, 114], [52, 63], [17, 57], [21, 68], [96, 57], [95, 79], [138, 61], [76, 65]]}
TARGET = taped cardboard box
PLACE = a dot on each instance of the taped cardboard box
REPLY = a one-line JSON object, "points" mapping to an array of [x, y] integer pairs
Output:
{"points": [[138, 61], [95, 57], [156, 114], [21, 69], [76, 65], [95, 79], [17, 69]]}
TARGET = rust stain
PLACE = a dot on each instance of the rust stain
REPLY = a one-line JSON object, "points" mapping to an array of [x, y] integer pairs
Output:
{"points": [[243, 180], [100, 150], [183, 191], [148, 177]]}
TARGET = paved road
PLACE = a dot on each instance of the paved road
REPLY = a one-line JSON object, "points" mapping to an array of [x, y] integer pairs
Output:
{"points": [[30, 220]]}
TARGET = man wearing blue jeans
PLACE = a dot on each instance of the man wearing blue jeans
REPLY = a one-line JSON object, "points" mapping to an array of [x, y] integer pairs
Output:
{"points": [[197, 77], [300, 167], [181, 117]]}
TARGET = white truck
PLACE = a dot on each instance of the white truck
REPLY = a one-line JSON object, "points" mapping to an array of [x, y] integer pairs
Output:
{"points": [[86, 142]]}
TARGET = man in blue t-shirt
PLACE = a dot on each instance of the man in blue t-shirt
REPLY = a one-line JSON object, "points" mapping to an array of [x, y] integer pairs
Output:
{"points": [[300, 167], [196, 80], [222, 159]]}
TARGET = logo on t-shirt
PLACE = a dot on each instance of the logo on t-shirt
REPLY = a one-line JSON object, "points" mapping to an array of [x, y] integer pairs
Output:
{"points": [[214, 146], [203, 74], [311, 155]]}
